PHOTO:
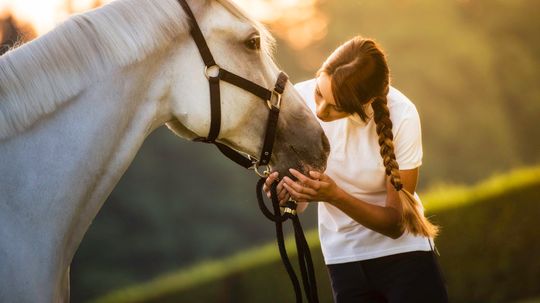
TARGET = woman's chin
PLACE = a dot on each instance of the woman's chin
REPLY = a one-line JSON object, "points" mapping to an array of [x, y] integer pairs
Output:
{"points": [[324, 119]]}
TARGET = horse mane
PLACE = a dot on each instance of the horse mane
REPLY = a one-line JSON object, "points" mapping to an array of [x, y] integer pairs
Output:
{"points": [[37, 77]]}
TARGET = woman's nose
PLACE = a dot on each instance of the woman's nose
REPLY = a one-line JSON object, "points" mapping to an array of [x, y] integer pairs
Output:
{"points": [[321, 111]]}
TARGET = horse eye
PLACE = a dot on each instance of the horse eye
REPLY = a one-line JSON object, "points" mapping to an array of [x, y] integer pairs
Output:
{"points": [[253, 43]]}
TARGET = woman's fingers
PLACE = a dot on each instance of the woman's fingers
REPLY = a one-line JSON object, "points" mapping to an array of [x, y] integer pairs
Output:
{"points": [[285, 198], [282, 192], [271, 178], [297, 195], [316, 175], [268, 183], [279, 187], [287, 188], [283, 195], [304, 179], [298, 187]]}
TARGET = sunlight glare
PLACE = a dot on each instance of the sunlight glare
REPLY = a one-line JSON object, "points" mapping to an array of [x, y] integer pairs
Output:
{"points": [[298, 22], [43, 15]]}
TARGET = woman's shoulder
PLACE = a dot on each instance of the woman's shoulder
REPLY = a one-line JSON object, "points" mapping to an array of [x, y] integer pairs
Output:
{"points": [[306, 86], [306, 90], [399, 104]]}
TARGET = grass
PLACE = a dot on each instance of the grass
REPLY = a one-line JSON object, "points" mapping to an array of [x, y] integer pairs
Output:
{"points": [[440, 199], [203, 272]]}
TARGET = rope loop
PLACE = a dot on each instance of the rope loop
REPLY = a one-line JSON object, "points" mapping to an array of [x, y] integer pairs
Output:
{"points": [[304, 256]]}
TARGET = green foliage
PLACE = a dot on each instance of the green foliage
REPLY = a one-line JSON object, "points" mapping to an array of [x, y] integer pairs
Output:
{"points": [[487, 250], [488, 247], [471, 67]]}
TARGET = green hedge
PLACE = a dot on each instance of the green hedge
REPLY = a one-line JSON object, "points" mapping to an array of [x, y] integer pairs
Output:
{"points": [[489, 244]]}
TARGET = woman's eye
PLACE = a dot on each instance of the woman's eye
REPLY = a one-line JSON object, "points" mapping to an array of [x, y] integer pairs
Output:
{"points": [[338, 109], [253, 43]]}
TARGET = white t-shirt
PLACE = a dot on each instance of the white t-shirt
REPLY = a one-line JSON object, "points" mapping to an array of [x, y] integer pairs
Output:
{"points": [[356, 165]]}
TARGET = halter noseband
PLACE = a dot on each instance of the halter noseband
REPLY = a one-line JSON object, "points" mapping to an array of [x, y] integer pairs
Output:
{"points": [[214, 73]]}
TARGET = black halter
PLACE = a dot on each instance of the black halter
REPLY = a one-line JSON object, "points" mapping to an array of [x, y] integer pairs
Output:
{"points": [[214, 73]]}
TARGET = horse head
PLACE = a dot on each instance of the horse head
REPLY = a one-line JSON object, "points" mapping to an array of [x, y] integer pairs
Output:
{"points": [[244, 47], [77, 103]]}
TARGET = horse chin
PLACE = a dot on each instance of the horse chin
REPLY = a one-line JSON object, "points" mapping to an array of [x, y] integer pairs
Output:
{"points": [[301, 158], [302, 167]]}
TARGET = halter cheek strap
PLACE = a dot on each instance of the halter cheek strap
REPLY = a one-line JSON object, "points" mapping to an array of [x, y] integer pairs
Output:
{"points": [[271, 124], [220, 74]]}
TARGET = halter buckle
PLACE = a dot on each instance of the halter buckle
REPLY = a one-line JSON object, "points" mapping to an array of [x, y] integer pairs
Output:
{"points": [[211, 71], [278, 100]]}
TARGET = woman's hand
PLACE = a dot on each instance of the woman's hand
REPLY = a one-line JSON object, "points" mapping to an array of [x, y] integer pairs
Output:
{"points": [[315, 187], [283, 195]]}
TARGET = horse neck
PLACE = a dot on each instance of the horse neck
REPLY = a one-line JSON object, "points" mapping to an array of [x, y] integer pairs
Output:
{"points": [[58, 173]]}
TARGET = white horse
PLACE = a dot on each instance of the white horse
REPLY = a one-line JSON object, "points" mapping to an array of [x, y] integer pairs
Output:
{"points": [[77, 103]]}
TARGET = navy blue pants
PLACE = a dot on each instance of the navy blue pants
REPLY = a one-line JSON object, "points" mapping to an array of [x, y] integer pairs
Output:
{"points": [[412, 277]]}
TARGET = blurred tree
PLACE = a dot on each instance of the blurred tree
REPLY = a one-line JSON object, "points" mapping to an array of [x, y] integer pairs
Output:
{"points": [[512, 28], [455, 64]]}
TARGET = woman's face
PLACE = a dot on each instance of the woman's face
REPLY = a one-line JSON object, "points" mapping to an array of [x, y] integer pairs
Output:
{"points": [[327, 109]]}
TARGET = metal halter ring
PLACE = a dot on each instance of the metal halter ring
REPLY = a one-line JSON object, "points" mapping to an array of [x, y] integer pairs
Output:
{"points": [[265, 173], [214, 69], [278, 98]]}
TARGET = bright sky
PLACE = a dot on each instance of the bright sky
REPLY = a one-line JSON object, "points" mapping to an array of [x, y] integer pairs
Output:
{"points": [[299, 22], [42, 14]]}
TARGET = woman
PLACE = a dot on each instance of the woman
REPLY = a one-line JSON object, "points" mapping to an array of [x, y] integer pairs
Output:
{"points": [[376, 242]]}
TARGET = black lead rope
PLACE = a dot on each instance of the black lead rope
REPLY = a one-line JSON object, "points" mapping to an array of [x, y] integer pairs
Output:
{"points": [[304, 255]]}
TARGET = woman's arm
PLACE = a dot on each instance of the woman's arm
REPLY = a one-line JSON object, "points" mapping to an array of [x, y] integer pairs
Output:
{"points": [[386, 220]]}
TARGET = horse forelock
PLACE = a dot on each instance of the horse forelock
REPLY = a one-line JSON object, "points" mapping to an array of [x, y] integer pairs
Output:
{"points": [[39, 76]]}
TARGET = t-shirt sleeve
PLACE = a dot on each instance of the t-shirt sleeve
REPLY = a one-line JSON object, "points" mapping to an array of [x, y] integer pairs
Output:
{"points": [[408, 140]]}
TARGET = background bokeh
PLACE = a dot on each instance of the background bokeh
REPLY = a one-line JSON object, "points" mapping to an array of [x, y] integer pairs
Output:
{"points": [[471, 67]]}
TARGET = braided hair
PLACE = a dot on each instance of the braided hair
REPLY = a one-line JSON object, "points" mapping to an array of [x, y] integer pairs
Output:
{"points": [[360, 76]]}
